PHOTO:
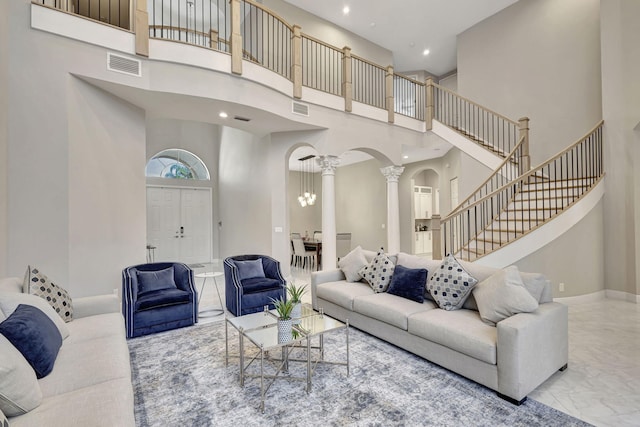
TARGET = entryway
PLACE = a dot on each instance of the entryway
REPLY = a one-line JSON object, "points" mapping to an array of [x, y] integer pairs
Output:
{"points": [[179, 224]]}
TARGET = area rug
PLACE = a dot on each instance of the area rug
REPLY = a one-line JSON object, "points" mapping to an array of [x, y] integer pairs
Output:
{"points": [[180, 379]]}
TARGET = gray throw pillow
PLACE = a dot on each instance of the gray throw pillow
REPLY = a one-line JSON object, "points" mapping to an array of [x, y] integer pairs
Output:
{"points": [[502, 295], [450, 284], [352, 263], [379, 273], [250, 269]]}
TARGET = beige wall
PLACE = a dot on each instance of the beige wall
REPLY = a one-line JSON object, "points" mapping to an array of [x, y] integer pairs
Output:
{"points": [[330, 33], [539, 59], [621, 112], [4, 111]]}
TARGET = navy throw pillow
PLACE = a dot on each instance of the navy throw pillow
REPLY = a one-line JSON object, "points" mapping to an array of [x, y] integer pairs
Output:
{"points": [[250, 269], [149, 281], [408, 283], [35, 336]]}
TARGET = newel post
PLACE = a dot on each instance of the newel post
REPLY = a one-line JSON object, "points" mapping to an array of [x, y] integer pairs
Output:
{"points": [[436, 235], [213, 39], [296, 61], [525, 159], [142, 28], [389, 94], [347, 84], [236, 38], [429, 104]]}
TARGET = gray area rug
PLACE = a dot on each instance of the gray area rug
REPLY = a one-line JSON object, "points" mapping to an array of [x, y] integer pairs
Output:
{"points": [[180, 379]]}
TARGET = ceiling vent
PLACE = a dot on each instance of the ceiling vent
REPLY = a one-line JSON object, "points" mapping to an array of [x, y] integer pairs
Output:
{"points": [[242, 119], [299, 108], [123, 64]]}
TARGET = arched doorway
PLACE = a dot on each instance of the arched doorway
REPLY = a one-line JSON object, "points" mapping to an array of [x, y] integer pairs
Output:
{"points": [[424, 204]]}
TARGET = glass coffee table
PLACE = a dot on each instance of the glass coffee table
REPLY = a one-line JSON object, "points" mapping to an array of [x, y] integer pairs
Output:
{"points": [[260, 330]]}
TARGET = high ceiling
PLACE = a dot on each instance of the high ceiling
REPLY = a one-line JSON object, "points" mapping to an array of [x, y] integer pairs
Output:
{"points": [[408, 27]]}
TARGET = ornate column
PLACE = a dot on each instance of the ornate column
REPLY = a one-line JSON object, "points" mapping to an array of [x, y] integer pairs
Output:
{"points": [[328, 165], [392, 174]]}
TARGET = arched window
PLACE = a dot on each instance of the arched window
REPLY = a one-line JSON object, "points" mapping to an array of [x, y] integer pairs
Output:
{"points": [[177, 164]]}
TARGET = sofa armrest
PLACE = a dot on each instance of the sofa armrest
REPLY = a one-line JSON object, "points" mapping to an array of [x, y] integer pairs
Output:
{"points": [[91, 306], [318, 277], [531, 347]]}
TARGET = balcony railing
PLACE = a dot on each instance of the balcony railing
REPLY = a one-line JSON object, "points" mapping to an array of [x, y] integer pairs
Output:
{"points": [[321, 66]]}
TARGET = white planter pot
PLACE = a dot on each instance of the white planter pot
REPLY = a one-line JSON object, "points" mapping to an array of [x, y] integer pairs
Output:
{"points": [[296, 313], [285, 329]]}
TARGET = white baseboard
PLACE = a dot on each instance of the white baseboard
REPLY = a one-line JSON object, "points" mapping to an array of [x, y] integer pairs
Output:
{"points": [[582, 299], [600, 295], [624, 296]]}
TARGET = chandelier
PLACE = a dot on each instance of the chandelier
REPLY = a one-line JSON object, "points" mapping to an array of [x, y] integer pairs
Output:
{"points": [[307, 196]]}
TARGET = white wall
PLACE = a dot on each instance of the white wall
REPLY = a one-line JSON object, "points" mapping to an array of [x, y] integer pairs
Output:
{"points": [[539, 59], [621, 112], [245, 193], [106, 194]]}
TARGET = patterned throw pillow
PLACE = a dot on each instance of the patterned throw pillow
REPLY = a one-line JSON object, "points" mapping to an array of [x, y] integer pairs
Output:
{"points": [[36, 283], [378, 274], [450, 285]]}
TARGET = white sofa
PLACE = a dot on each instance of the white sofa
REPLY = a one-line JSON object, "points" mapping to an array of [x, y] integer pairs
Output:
{"points": [[513, 357], [90, 384]]}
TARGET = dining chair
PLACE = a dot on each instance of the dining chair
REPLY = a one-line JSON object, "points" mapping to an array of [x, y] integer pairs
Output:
{"points": [[343, 244], [302, 254], [317, 235]]}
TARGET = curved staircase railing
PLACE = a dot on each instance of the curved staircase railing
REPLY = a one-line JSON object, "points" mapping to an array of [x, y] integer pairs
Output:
{"points": [[522, 205]]}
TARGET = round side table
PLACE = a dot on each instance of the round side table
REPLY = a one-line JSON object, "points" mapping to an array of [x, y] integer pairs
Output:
{"points": [[204, 277]]}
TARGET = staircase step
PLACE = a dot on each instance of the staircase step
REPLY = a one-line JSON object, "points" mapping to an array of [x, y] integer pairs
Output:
{"points": [[534, 204], [558, 184]]}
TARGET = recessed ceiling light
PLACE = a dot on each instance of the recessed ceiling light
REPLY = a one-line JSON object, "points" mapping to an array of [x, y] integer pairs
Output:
{"points": [[405, 157], [223, 114], [425, 52], [345, 10]]}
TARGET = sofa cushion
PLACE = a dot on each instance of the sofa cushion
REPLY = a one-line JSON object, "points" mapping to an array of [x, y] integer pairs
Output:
{"points": [[11, 284], [502, 295], [19, 389], [35, 336], [408, 283], [95, 327], [250, 269], [459, 330], [152, 281], [36, 283], [352, 263], [9, 301], [450, 284], [259, 284], [378, 274], [342, 293], [389, 308], [163, 297]]}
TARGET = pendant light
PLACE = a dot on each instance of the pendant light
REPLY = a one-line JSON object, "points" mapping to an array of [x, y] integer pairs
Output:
{"points": [[307, 195]]}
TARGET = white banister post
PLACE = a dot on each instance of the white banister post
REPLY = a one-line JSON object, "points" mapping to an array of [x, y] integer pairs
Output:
{"points": [[328, 165], [392, 174]]}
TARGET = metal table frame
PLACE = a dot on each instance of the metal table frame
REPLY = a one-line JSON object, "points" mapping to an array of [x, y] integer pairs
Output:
{"points": [[266, 323]]}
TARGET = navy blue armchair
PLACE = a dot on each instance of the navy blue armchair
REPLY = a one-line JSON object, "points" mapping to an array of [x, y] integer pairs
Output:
{"points": [[158, 297], [250, 283]]}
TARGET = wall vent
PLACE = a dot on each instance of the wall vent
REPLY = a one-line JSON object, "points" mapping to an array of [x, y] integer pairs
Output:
{"points": [[122, 64], [242, 119], [299, 108]]}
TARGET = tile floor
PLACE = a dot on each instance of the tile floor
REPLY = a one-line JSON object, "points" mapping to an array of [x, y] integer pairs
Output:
{"points": [[602, 384]]}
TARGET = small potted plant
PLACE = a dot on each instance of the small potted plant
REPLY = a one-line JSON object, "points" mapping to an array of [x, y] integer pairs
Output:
{"points": [[295, 294], [285, 322]]}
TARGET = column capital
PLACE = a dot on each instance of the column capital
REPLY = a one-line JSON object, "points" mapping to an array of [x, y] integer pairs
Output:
{"points": [[328, 164], [392, 173]]}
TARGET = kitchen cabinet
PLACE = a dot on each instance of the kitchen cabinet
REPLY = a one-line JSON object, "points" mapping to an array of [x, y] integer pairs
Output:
{"points": [[423, 243], [422, 202]]}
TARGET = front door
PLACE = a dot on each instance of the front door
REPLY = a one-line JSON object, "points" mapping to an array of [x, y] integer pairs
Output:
{"points": [[179, 224]]}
